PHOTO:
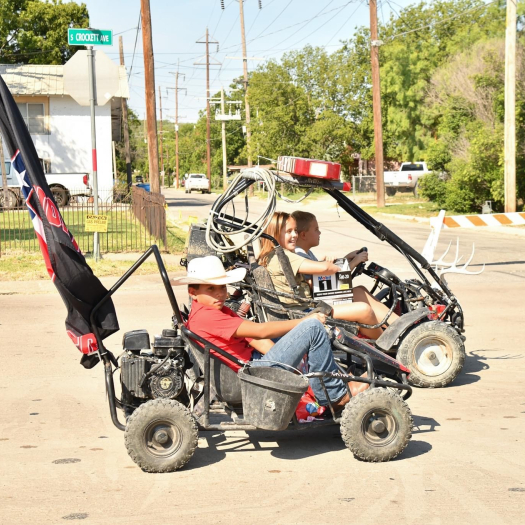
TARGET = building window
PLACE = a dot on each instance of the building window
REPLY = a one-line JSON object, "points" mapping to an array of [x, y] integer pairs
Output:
{"points": [[33, 115]]}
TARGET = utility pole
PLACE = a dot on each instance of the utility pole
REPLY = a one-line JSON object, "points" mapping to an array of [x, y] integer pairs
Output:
{"points": [[151, 109], [125, 122], [376, 98], [176, 73], [208, 134], [177, 129], [161, 138], [510, 108], [224, 161], [246, 103]]}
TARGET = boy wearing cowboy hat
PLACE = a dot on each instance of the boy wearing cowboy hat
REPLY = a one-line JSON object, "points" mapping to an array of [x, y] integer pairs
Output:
{"points": [[248, 341]]}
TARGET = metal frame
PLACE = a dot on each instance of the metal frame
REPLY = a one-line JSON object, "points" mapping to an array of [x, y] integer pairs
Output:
{"points": [[378, 229], [108, 360]]}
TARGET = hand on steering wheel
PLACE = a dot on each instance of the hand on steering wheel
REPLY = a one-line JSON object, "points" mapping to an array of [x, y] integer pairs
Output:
{"points": [[360, 258]]}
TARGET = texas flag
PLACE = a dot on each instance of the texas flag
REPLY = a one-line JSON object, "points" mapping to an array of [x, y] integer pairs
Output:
{"points": [[79, 288]]}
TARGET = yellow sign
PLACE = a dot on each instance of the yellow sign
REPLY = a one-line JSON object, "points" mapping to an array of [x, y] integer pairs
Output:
{"points": [[96, 223]]}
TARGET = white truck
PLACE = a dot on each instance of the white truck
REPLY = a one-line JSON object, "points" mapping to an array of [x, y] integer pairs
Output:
{"points": [[406, 179], [63, 186], [198, 182]]}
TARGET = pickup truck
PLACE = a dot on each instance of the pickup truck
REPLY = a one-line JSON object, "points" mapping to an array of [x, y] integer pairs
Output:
{"points": [[406, 178], [63, 186], [198, 182]]}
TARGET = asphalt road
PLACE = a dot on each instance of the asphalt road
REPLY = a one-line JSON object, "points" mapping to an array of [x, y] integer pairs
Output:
{"points": [[61, 458]]}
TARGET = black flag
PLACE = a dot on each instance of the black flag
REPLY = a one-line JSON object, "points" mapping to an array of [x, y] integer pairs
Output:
{"points": [[79, 288]]}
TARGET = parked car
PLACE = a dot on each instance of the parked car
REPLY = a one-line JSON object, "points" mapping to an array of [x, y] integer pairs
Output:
{"points": [[198, 182], [139, 178], [406, 179], [63, 185]]}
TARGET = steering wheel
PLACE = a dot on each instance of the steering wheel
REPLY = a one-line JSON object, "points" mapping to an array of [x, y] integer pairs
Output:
{"points": [[358, 270]]}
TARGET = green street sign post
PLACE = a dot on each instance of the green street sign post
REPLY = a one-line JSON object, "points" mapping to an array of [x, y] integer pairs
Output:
{"points": [[89, 37]]}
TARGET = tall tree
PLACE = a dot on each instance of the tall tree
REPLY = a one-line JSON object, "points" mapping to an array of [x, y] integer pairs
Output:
{"points": [[35, 31]]}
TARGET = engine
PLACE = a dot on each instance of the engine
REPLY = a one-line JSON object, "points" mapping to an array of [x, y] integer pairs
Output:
{"points": [[151, 372]]}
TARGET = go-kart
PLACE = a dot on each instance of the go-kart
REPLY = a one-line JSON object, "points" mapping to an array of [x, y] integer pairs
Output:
{"points": [[428, 336], [179, 382]]}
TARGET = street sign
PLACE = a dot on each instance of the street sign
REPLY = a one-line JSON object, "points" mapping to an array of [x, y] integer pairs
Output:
{"points": [[76, 78], [89, 37]]}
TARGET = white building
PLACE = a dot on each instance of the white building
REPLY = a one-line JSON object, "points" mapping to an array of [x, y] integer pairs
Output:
{"points": [[59, 126]]}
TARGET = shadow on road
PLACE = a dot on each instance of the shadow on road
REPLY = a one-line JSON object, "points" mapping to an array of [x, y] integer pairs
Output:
{"points": [[477, 362], [415, 448], [289, 445], [423, 424], [293, 445]]}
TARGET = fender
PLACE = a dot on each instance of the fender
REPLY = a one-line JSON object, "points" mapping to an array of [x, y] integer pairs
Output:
{"points": [[399, 327]]}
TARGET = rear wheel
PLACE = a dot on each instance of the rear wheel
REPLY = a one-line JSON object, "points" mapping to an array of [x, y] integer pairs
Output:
{"points": [[161, 435], [391, 191], [61, 196], [8, 202], [434, 353], [376, 425]]}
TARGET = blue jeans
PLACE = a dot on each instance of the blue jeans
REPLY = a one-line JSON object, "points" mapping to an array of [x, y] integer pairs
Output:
{"points": [[309, 337]]}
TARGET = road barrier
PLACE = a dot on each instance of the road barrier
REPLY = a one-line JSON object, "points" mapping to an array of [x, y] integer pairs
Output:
{"points": [[476, 221]]}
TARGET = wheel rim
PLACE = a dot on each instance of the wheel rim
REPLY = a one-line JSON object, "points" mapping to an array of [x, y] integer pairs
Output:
{"points": [[59, 198], [432, 356], [379, 427], [162, 438]]}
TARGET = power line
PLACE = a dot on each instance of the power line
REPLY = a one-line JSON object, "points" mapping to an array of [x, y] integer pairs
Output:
{"points": [[339, 9], [125, 31], [344, 23], [427, 26], [135, 47], [271, 23]]}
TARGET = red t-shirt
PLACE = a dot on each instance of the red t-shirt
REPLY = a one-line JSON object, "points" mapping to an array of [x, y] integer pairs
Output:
{"points": [[218, 327]]}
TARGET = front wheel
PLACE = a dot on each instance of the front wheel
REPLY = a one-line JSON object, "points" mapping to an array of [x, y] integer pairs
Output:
{"points": [[376, 425], [434, 353], [161, 436]]}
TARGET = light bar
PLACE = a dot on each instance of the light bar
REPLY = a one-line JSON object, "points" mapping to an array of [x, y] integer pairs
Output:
{"points": [[319, 169]]}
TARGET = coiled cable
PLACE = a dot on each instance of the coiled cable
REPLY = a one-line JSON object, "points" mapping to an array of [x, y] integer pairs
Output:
{"points": [[251, 229]]}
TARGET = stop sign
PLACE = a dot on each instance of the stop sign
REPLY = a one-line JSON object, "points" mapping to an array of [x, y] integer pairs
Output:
{"points": [[76, 79]]}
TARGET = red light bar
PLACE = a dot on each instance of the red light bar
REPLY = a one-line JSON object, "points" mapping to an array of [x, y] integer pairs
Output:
{"points": [[319, 169]]}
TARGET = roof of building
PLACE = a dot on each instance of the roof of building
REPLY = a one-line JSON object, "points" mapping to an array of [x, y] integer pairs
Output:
{"points": [[46, 80]]}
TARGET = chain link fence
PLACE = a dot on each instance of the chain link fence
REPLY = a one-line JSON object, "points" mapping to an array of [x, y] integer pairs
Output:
{"points": [[364, 184]]}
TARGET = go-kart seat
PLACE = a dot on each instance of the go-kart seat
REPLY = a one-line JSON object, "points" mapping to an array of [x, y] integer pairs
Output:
{"points": [[263, 280], [224, 381]]}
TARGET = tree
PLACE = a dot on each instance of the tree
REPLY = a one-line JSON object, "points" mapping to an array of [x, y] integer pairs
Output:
{"points": [[466, 102], [35, 32]]}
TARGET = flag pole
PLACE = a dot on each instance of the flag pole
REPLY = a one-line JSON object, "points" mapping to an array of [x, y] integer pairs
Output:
{"points": [[94, 178]]}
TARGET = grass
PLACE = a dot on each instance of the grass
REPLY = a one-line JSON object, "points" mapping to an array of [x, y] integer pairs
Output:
{"points": [[25, 266], [416, 209], [125, 233]]}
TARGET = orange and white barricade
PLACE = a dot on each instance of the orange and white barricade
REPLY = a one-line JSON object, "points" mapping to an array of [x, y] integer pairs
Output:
{"points": [[480, 221]]}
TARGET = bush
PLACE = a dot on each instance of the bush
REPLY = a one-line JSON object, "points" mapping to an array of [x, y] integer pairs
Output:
{"points": [[434, 188]]}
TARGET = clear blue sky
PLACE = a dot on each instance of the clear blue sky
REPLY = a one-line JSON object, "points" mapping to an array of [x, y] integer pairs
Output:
{"points": [[281, 25]]}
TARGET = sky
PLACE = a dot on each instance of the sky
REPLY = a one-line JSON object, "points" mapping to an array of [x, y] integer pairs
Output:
{"points": [[280, 26]]}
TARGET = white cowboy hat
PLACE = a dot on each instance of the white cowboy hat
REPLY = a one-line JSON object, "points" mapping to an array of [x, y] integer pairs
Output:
{"points": [[209, 270]]}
